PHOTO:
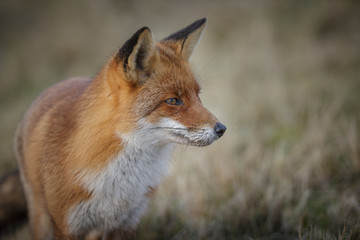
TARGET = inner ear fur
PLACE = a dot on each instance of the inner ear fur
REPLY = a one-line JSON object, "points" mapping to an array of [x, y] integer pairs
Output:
{"points": [[187, 38], [138, 56]]}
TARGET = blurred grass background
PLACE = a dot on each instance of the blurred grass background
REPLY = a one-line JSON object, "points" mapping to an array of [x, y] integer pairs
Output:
{"points": [[284, 76]]}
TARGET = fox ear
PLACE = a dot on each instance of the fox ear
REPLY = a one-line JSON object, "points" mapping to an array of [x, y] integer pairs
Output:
{"points": [[138, 55], [187, 38]]}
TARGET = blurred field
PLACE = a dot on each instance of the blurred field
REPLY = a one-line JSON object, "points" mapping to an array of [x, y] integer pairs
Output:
{"points": [[284, 76]]}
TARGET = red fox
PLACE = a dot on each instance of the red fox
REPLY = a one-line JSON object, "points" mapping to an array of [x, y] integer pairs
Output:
{"points": [[92, 150]]}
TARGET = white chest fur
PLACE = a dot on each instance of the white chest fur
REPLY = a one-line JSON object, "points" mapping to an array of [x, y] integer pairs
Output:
{"points": [[118, 191]]}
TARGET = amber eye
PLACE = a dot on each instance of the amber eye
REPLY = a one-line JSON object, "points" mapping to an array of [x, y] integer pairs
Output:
{"points": [[174, 101]]}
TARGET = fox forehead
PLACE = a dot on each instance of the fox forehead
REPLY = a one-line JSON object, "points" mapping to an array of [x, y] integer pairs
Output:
{"points": [[173, 73]]}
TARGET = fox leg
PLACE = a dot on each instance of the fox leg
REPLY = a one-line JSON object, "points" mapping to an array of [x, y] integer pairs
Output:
{"points": [[40, 223], [41, 226]]}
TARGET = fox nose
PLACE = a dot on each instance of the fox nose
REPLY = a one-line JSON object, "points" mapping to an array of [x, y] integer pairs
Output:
{"points": [[219, 129]]}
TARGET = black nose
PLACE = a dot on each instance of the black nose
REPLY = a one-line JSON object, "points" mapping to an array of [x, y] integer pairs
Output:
{"points": [[219, 129]]}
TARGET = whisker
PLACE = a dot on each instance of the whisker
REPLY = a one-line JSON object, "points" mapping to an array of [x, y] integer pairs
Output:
{"points": [[174, 128], [170, 128]]}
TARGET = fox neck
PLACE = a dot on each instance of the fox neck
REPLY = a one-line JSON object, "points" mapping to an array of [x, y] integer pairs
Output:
{"points": [[102, 111]]}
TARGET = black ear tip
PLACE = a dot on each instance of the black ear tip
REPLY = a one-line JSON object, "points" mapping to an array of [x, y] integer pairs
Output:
{"points": [[183, 33], [198, 23], [202, 21]]}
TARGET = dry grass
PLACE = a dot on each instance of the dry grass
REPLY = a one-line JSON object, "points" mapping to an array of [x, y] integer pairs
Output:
{"points": [[283, 76]]}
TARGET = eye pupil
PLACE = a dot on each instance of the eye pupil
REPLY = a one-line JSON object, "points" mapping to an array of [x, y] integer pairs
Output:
{"points": [[173, 101]]}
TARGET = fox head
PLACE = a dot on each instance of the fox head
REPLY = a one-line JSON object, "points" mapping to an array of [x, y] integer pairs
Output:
{"points": [[156, 83]]}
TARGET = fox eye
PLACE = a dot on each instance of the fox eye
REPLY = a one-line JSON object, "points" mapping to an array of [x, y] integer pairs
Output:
{"points": [[174, 101]]}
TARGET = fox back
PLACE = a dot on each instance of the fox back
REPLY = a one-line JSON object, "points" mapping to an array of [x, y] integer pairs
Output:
{"points": [[91, 151]]}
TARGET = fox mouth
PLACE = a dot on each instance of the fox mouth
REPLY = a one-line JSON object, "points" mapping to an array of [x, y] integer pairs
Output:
{"points": [[194, 137]]}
